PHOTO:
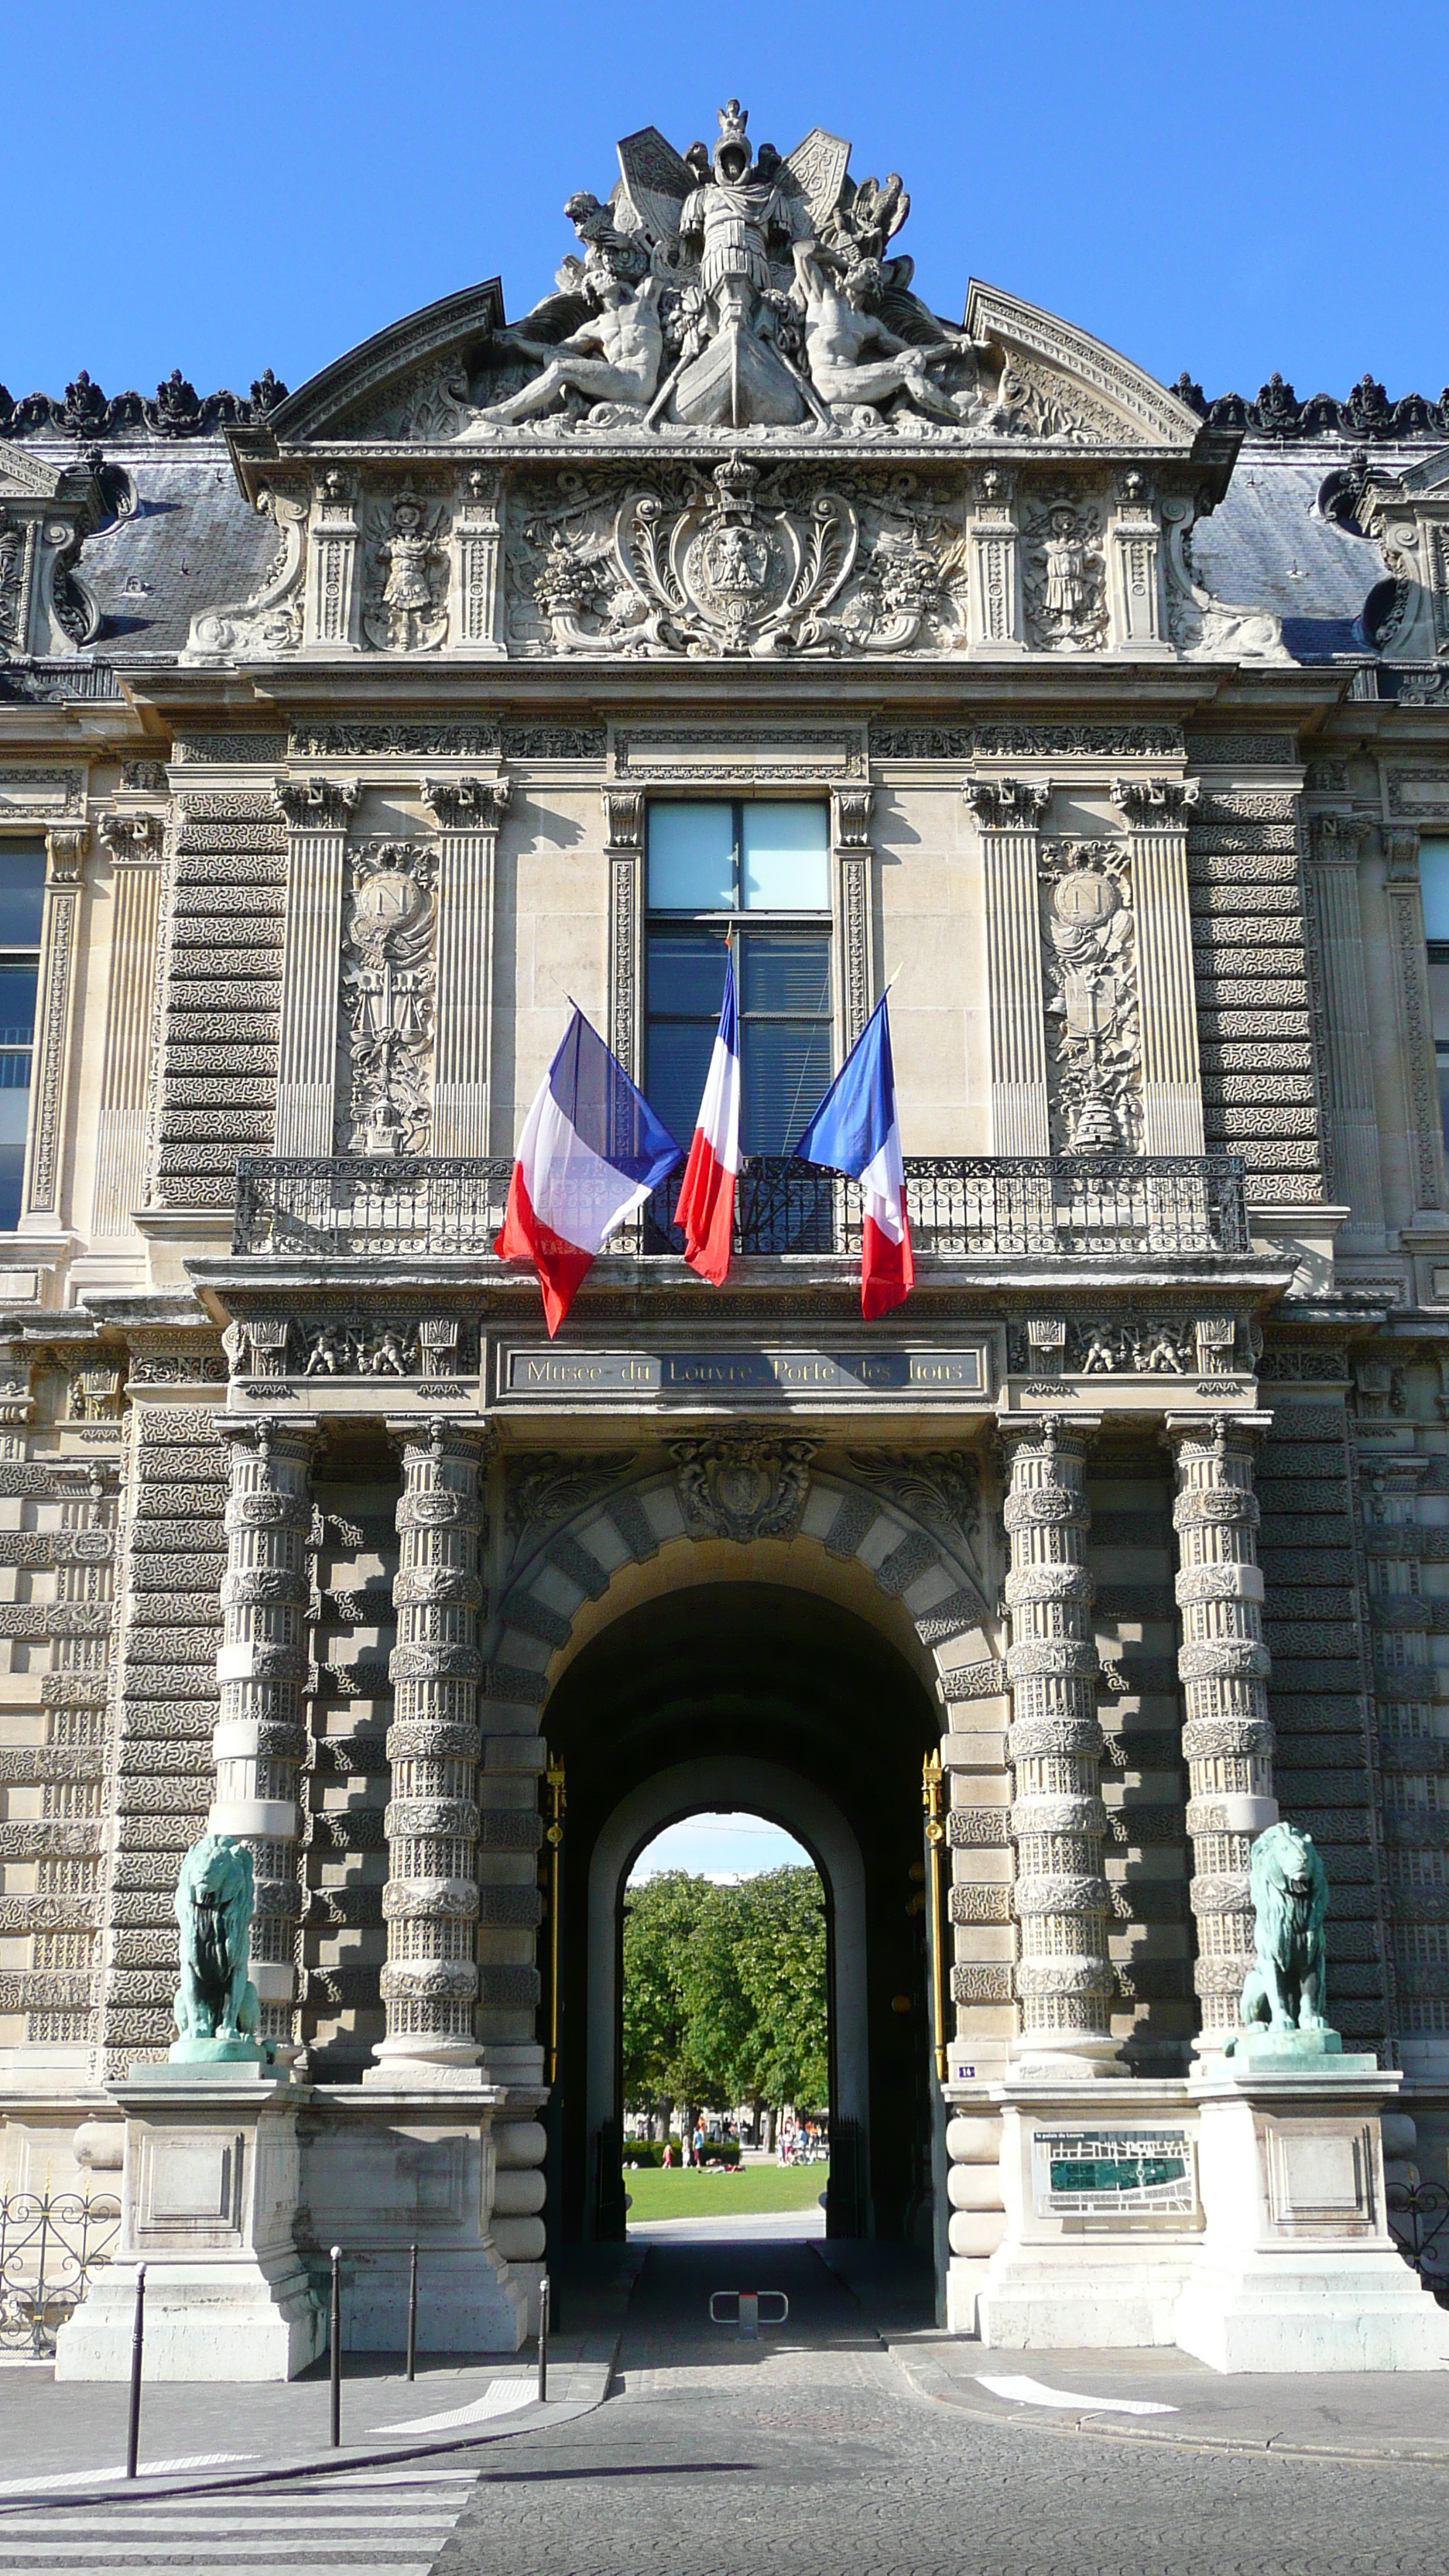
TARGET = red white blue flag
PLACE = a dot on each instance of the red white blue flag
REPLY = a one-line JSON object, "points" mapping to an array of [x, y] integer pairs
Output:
{"points": [[706, 1209], [856, 1130], [590, 1154]]}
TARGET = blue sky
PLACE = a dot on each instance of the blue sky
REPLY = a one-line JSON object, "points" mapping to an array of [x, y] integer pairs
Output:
{"points": [[1231, 186], [720, 1847]]}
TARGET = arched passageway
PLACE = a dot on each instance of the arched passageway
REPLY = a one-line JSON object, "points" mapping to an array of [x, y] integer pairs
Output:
{"points": [[752, 1695]]}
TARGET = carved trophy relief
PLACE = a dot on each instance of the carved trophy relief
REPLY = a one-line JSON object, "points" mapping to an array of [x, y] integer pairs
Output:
{"points": [[1094, 1050], [405, 597], [743, 561], [1065, 577], [388, 997]]}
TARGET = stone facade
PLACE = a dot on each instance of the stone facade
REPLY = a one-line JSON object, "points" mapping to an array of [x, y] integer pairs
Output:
{"points": [[338, 719]]}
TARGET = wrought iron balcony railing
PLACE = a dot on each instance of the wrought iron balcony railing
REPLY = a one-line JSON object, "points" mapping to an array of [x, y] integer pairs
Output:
{"points": [[357, 1207]]}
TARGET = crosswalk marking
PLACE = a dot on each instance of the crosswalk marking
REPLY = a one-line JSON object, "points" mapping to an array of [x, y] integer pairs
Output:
{"points": [[300, 2529]]}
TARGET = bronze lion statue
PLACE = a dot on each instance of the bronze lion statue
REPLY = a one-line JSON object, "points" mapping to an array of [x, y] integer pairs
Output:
{"points": [[215, 1901], [1284, 1986]]}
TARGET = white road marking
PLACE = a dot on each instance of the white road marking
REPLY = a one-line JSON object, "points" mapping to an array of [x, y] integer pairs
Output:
{"points": [[108, 2475], [1034, 2392], [500, 2397]]}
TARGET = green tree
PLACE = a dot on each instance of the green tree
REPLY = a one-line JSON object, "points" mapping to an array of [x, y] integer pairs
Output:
{"points": [[725, 1992]]}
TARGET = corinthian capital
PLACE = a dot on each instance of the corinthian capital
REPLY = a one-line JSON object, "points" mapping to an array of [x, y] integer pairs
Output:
{"points": [[1155, 800], [132, 836], [1008, 804], [466, 804], [318, 804]]}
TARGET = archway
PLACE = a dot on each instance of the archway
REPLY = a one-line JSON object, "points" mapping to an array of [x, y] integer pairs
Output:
{"points": [[755, 1695]]}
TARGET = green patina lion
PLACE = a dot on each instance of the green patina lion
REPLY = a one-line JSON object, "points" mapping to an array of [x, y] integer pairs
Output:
{"points": [[1284, 1986], [215, 1901]]}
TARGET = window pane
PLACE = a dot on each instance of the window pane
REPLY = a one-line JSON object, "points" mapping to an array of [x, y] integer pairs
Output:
{"points": [[691, 858], [1434, 879], [686, 974], [22, 893], [17, 1005], [785, 1076], [679, 1053], [785, 975], [1439, 995], [785, 864]]}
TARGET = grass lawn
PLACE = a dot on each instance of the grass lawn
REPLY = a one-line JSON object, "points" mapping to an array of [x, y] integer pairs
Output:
{"points": [[712, 2194]]}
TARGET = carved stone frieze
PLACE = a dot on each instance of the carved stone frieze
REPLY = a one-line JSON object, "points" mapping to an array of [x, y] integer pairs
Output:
{"points": [[743, 1486], [1094, 1053], [549, 1486]]}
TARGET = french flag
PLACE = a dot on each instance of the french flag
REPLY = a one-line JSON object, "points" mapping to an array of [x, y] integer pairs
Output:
{"points": [[591, 1152], [706, 1209], [856, 1130]]}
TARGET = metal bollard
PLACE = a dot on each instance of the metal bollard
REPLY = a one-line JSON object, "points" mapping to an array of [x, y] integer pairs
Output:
{"points": [[747, 2310], [335, 2354], [138, 2342], [413, 2315], [543, 2340]]}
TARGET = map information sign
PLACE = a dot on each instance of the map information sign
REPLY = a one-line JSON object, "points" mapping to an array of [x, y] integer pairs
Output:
{"points": [[1113, 2173]]}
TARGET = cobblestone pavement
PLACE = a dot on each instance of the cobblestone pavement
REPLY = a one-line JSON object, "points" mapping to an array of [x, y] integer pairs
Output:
{"points": [[805, 2454]]}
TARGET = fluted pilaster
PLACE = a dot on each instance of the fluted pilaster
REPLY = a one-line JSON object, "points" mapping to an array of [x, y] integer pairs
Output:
{"points": [[1064, 1977], [1223, 1665], [430, 1982], [260, 1739], [1008, 814]]}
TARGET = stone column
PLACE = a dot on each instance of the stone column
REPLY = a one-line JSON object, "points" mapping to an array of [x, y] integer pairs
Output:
{"points": [[1223, 1664], [1348, 1044], [1008, 815], [334, 584], [134, 841], [468, 812], [1416, 1018], [317, 812], [1064, 1976], [66, 850], [624, 821], [994, 596], [1157, 810], [475, 565], [260, 1740], [1134, 571], [850, 832], [430, 1903]]}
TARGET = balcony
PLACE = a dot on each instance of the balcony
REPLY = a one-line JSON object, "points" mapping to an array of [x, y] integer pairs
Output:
{"points": [[364, 1207]]}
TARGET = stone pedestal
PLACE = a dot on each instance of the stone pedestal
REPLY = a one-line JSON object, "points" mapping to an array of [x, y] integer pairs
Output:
{"points": [[388, 2166], [1102, 2214], [209, 2196], [1297, 2270]]}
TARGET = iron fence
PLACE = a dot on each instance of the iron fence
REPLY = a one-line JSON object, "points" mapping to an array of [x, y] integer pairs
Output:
{"points": [[1418, 2215], [50, 2246], [355, 1206]]}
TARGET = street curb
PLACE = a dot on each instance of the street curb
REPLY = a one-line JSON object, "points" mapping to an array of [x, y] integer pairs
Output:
{"points": [[532, 2418], [920, 2375], [936, 2386]]}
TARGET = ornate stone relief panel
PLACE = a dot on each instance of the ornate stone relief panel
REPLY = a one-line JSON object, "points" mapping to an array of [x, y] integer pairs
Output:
{"points": [[388, 999], [1094, 1044], [746, 560]]}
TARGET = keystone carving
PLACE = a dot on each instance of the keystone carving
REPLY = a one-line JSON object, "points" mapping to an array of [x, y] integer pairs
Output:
{"points": [[747, 1487]]}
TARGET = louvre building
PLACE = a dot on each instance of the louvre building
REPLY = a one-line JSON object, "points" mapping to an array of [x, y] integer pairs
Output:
{"points": [[348, 734]]}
